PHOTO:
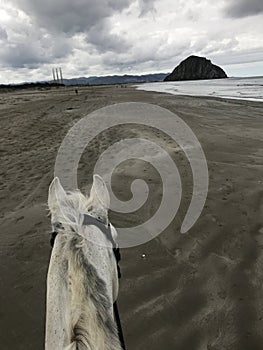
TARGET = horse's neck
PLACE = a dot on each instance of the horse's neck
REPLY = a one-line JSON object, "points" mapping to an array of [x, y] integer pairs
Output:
{"points": [[104, 261], [67, 291]]}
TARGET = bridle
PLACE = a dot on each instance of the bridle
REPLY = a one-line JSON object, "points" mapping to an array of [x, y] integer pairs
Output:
{"points": [[106, 229]]}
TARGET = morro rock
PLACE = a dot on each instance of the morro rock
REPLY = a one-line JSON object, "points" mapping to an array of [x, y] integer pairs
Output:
{"points": [[195, 68]]}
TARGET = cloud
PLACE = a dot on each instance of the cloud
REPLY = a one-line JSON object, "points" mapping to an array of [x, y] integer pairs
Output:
{"points": [[89, 17], [21, 55], [70, 16], [244, 8], [43, 32], [243, 56], [3, 34], [31, 55], [104, 40], [149, 55], [146, 6], [24, 46]]}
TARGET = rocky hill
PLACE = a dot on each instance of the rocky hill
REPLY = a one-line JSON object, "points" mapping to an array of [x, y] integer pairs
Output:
{"points": [[195, 68]]}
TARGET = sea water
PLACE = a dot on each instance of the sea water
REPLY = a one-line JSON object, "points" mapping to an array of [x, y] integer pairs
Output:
{"points": [[237, 88]]}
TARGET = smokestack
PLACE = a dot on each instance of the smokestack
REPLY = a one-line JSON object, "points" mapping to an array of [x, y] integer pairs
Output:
{"points": [[57, 75], [61, 76], [54, 77]]}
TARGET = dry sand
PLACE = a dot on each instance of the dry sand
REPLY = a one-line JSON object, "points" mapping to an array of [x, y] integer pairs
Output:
{"points": [[203, 290]]}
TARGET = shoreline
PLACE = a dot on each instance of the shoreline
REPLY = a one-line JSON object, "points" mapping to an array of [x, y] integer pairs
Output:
{"points": [[207, 97], [230, 88]]}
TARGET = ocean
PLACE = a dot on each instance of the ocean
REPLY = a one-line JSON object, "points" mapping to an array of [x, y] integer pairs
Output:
{"points": [[250, 88]]}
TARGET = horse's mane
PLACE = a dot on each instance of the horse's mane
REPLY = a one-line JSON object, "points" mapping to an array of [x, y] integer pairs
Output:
{"points": [[87, 287]]}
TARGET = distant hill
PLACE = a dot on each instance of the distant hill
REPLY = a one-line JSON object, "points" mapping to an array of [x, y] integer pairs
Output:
{"points": [[196, 68], [116, 79], [94, 80]]}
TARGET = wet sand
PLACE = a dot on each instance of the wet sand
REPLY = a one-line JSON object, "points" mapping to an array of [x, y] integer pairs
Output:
{"points": [[201, 290]]}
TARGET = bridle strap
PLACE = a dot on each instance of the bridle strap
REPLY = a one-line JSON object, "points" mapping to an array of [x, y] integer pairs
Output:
{"points": [[106, 229], [118, 322]]}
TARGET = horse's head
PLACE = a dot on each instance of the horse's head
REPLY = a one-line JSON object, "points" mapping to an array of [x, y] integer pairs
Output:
{"points": [[68, 208]]}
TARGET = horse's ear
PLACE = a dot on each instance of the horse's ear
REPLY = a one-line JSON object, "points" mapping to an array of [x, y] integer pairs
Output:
{"points": [[99, 196], [62, 208], [56, 195]]}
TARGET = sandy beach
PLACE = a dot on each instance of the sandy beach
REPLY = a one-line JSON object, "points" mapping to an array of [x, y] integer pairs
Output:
{"points": [[202, 290]]}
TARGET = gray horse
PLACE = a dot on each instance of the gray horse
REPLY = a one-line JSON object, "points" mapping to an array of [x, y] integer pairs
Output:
{"points": [[82, 281]]}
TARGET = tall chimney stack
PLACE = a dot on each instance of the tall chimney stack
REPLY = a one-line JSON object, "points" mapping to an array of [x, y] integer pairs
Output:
{"points": [[61, 76]]}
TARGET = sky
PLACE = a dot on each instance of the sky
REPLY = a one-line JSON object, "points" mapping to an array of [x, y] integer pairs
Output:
{"points": [[106, 37]]}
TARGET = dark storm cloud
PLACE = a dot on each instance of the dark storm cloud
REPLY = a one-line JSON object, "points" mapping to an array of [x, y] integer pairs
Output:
{"points": [[49, 32], [88, 17], [244, 8], [70, 16]]}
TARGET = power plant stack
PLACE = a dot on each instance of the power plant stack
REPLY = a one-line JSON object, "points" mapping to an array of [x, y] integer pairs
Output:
{"points": [[57, 75]]}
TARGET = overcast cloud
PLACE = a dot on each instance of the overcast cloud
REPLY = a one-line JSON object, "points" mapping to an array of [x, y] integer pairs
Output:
{"points": [[70, 16], [244, 8], [87, 37]]}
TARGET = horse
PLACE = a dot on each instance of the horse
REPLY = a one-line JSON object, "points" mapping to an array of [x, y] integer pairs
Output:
{"points": [[82, 280]]}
